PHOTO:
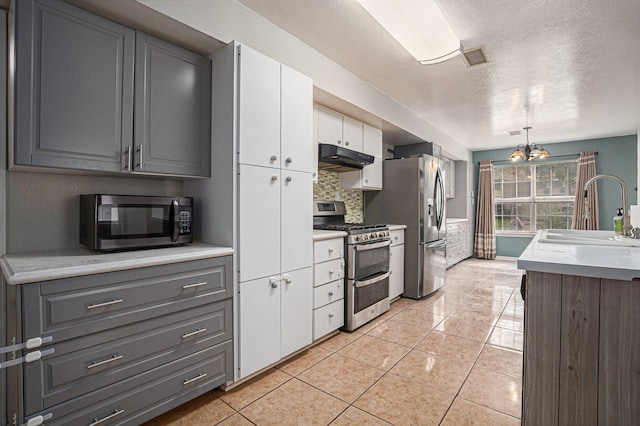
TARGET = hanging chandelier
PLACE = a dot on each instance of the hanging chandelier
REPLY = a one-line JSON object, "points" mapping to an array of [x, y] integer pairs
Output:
{"points": [[529, 151]]}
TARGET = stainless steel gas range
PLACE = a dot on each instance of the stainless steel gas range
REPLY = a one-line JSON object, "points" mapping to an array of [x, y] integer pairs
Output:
{"points": [[367, 262]]}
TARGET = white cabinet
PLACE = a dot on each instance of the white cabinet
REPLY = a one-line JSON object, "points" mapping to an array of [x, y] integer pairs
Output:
{"points": [[396, 264], [370, 177], [449, 177], [276, 318], [328, 283], [275, 202], [336, 129], [275, 114], [456, 242]]}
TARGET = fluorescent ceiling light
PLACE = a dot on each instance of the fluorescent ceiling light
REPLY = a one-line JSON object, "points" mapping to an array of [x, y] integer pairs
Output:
{"points": [[419, 26]]}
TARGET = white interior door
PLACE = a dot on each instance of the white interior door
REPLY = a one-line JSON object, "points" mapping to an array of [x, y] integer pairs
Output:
{"points": [[296, 324], [296, 121], [296, 220], [258, 109], [258, 222]]}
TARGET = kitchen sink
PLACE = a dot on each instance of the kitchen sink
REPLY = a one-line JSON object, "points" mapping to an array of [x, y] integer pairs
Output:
{"points": [[581, 237]]}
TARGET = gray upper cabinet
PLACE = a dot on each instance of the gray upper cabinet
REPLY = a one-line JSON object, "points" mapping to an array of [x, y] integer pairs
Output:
{"points": [[172, 109], [73, 87], [77, 77]]}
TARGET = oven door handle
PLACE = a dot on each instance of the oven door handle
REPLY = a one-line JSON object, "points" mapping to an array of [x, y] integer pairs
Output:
{"points": [[371, 246], [374, 280]]}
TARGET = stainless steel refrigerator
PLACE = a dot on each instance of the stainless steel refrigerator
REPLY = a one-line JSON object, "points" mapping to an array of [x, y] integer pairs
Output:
{"points": [[413, 195]]}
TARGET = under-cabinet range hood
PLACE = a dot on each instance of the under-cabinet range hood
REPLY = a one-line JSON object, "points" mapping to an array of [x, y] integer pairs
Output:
{"points": [[338, 159]]}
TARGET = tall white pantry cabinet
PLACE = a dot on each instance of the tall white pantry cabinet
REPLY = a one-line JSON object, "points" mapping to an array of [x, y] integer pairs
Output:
{"points": [[260, 200]]}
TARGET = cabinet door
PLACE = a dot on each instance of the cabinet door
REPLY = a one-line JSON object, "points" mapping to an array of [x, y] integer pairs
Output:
{"points": [[315, 144], [296, 129], [296, 220], [258, 109], [352, 133], [259, 324], [258, 222], [329, 127], [172, 109], [372, 175], [396, 266], [73, 88], [296, 321], [372, 141]]}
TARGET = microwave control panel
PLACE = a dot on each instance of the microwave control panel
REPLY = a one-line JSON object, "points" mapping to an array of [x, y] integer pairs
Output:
{"points": [[185, 220]]}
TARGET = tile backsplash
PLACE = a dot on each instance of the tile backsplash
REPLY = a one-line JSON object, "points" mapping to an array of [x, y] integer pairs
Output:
{"points": [[329, 185]]}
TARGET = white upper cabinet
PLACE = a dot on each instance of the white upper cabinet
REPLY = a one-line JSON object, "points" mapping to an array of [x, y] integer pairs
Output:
{"points": [[296, 121], [329, 127], [352, 134], [259, 109], [370, 177]]}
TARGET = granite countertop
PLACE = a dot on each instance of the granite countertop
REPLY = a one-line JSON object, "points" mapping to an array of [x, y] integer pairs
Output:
{"points": [[24, 268], [618, 263], [396, 227], [320, 235]]}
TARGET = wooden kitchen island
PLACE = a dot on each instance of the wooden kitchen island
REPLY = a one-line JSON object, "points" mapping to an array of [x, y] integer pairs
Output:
{"points": [[582, 334]]}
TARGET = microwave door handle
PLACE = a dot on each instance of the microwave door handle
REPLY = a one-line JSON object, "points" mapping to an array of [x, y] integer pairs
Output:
{"points": [[175, 213]]}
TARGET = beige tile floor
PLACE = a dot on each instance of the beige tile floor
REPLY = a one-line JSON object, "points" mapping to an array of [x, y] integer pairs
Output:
{"points": [[453, 358]]}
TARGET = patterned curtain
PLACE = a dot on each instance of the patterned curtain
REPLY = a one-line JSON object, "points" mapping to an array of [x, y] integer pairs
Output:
{"points": [[485, 241], [586, 170]]}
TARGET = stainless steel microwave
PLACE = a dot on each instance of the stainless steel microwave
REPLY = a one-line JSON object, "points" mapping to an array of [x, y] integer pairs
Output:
{"points": [[124, 222]]}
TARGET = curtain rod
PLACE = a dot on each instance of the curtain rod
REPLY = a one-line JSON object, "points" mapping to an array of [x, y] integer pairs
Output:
{"points": [[552, 158]]}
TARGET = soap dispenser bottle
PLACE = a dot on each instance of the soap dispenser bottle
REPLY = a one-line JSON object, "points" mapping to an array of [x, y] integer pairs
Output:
{"points": [[617, 222]]}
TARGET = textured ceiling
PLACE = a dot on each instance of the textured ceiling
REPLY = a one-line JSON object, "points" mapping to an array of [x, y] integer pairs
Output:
{"points": [[568, 68]]}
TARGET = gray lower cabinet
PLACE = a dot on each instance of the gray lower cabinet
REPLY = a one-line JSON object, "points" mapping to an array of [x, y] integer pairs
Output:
{"points": [[80, 79], [128, 345]]}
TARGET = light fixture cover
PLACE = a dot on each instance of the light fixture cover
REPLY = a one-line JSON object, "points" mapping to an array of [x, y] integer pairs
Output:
{"points": [[419, 26], [529, 151]]}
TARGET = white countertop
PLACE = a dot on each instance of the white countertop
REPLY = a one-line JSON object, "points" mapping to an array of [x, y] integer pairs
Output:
{"points": [[23, 268], [618, 263], [455, 220], [396, 227], [320, 235]]}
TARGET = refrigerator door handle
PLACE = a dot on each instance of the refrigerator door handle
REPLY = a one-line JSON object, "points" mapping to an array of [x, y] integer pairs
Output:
{"points": [[439, 199]]}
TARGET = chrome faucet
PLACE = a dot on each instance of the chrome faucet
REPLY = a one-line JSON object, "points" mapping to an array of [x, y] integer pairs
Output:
{"points": [[626, 221]]}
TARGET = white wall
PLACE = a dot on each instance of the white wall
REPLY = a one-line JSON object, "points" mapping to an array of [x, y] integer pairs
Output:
{"points": [[227, 20]]}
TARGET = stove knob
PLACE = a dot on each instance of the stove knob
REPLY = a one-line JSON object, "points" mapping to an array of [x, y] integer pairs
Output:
{"points": [[365, 237], [356, 237]]}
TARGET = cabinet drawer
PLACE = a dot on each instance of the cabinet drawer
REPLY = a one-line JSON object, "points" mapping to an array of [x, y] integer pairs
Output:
{"points": [[328, 318], [328, 271], [328, 250], [453, 249], [135, 398], [86, 364], [328, 293], [83, 305], [397, 237]]}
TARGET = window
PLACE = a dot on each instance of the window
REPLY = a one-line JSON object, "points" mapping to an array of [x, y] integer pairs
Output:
{"points": [[529, 197]]}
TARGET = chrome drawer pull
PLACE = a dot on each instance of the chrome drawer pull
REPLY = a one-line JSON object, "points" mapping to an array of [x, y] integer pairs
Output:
{"points": [[104, 419], [198, 377], [101, 305], [186, 286], [105, 361], [193, 333]]}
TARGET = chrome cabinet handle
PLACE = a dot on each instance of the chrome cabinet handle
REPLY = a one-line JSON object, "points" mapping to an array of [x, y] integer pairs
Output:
{"points": [[347, 143], [330, 293], [289, 179], [198, 377], [288, 160], [287, 279], [331, 271], [104, 419], [274, 285], [127, 151], [330, 315], [104, 361], [330, 249], [274, 157], [339, 142], [200, 284], [366, 181], [103, 304], [396, 237], [274, 178], [139, 163], [193, 333]]}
